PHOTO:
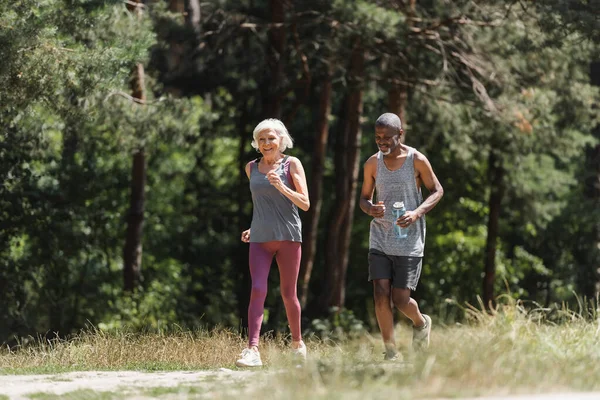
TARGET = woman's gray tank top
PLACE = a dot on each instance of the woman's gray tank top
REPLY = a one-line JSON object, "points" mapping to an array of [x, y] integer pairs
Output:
{"points": [[390, 187], [274, 216]]}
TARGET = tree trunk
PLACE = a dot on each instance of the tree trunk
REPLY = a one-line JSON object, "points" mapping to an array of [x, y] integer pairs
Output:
{"points": [[275, 49], [496, 176], [593, 192], [398, 91], [132, 253], [178, 58], [311, 225], [177, 6], [243, 289], [193, 16], [347, 156], [397, 96], [135, 6]]}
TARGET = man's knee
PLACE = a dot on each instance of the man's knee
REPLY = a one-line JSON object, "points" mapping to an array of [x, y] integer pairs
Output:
{"points": [[381, 290], [401, 297]]}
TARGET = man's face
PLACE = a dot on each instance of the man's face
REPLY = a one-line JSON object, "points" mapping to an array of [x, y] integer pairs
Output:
{"points": [[387, 139]]}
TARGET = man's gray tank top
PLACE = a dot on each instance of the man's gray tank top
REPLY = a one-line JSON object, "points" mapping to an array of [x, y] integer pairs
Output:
{"points": [[274, 216], [390, 187]]}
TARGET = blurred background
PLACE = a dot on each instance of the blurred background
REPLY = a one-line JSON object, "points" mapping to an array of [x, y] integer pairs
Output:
{"points": [[125, 127]]}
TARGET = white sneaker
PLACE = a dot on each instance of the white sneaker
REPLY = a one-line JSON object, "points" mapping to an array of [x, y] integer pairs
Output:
{"points": [[392, 354], [300, 352], [421, 335], [249, 358]]}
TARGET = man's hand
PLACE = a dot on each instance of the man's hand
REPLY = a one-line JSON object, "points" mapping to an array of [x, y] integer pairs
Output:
{"points": [[408, 218], [377, 210]]}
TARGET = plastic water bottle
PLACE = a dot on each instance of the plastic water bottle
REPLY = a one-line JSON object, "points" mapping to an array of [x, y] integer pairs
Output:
{"points": [[398, 210]]}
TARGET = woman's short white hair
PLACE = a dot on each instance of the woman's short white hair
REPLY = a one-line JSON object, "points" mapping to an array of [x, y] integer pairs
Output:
{"points": [[278, 127]]}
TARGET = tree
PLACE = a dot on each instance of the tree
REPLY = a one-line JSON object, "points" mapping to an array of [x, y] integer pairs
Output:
{"points": [[132, 252], [347, 156]]}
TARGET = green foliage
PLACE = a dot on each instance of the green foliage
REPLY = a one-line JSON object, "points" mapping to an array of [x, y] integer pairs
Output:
{"points": [[338, 326], [483, 79], [369, 20], [560, 17]]}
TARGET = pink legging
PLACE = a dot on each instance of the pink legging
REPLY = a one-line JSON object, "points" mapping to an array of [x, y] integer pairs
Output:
{"points": [[287, 254]]}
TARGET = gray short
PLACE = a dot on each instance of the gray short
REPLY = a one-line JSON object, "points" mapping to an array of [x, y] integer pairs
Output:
{"points": [[404, 272]]}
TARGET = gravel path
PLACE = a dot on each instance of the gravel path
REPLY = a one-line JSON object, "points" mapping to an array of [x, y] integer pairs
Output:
{"points": [[134, 383], [19, 386]]}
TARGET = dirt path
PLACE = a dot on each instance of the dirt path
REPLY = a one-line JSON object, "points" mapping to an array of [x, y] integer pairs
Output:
{"points": [[135, 385], [19, 386]]}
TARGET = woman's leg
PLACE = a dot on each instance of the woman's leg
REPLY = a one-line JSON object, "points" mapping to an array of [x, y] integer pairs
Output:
{"points": [[288, 261], [261, 256]]}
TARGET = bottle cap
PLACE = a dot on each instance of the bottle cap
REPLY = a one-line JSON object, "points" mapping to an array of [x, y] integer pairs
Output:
{"points": [[398, 204]]}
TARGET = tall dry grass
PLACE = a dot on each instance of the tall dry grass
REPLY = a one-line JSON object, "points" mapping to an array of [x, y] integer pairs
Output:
{"points": [[511, 350]]}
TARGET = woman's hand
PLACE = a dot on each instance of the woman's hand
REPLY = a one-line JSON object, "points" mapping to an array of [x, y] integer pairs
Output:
{"points": [[246, 236], [275, 180]]}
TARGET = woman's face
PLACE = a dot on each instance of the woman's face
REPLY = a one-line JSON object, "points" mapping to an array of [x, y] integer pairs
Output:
{"points": [[268, 143]]}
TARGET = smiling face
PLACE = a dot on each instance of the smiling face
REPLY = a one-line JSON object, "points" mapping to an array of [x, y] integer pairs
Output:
{"points": [[387, 139], [269, 143]]}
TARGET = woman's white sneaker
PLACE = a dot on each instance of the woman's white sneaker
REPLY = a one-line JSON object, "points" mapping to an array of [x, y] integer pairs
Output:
{"points": [[249, 358], [300, 352]]}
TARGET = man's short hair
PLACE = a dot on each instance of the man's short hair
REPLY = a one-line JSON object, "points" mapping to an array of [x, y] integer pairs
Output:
{"points": [[389, 120]]}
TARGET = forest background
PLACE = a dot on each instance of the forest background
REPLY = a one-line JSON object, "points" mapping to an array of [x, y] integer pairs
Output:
{"points": [[125, 126]]}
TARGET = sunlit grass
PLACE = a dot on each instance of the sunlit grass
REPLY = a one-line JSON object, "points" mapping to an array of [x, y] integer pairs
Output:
{"points": [[98, 350], [509, 351], [76, 395]]}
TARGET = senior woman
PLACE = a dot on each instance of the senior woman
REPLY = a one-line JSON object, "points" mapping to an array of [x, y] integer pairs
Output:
{"points": [[278, 187]]}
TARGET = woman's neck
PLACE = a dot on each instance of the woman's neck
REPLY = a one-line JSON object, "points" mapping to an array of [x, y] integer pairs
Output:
{"points": [[272, 159]]}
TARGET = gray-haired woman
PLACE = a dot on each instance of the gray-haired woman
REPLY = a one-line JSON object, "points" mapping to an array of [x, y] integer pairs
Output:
{"points": [[278, 186]]}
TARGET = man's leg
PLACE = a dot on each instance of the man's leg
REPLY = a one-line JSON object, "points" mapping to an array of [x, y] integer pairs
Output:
{"points": [[408, 306], [407, 271], [383, 312]]}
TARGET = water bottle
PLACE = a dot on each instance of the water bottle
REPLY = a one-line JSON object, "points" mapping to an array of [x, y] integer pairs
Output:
{"points": [[399, 210]]}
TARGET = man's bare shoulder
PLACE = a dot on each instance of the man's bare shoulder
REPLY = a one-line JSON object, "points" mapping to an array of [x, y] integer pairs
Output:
{"points": [[420, 157], [372, 160]]}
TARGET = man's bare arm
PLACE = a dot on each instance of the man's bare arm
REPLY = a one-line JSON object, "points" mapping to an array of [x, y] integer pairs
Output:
{"points": [[368, 187], [431, 182]]}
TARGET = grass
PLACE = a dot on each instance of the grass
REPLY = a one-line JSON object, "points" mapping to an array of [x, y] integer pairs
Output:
{"points": [[511, 351], [98, 350], [58, 378], [180, 390], [76, 395]]}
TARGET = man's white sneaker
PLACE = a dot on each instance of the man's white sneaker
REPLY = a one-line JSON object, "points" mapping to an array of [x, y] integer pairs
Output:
{"points": [[392, 355], [249, 358], [421, 335], [300, 352]]}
